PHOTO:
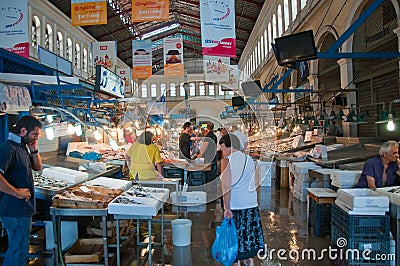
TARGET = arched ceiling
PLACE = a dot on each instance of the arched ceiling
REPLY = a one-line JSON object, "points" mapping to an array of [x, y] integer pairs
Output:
{"points": [[186, 13]]}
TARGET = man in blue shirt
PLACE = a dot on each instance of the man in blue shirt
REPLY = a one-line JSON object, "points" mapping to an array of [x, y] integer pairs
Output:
{"points": [[382, 170], [18, 156]]}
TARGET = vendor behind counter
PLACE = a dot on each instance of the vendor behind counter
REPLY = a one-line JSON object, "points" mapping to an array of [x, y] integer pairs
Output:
{"points": [[382, 170]]}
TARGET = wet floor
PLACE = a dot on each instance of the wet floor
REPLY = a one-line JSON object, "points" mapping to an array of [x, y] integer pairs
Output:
{"points": [[287, 236]]}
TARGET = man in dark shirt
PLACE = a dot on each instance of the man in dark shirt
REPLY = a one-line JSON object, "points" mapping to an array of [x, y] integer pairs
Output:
{"points": [[184, 141], [18, 156], [209, 151], [382, 170]]}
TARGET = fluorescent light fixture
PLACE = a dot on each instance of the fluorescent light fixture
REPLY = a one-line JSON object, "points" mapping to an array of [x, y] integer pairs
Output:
{"points": [[97, 135], [160, 30], [390, 124], [78, 130], [71, 129], [49, 118]]}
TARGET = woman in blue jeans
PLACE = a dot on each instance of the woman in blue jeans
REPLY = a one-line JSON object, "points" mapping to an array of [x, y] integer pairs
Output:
{"points": [[19, 155]]}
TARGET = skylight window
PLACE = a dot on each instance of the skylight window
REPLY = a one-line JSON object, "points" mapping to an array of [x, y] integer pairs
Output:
{"points": [[160, 30]]}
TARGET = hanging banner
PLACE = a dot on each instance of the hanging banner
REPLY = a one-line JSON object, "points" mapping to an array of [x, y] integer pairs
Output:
{"points": [[218, 27], [142, 59], [173, 57], [146, 10], [88, 12], [126, 75], [105, 54], [216, 68], [14, 29], [233, 83]]}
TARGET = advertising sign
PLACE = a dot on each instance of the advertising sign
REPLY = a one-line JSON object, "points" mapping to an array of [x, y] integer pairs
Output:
{"points": [[14, 99], [105, 54], [145, 10], [216, 68], [109, 82], [218, 35], [88, 12], [142, 59], [14, 29], [126, 75], [173, 57]]}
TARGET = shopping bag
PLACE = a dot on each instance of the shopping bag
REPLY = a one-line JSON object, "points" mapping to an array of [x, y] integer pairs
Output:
{"points": [[225, 246]]}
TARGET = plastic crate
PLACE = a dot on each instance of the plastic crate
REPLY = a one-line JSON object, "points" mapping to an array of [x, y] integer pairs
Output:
{"points": [[377, 246], [172, 172], [361, 225], [197, 178], [319, 218]]}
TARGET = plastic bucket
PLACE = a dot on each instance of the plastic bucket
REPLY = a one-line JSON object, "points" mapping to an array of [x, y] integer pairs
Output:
{"points": [[181, 232]]}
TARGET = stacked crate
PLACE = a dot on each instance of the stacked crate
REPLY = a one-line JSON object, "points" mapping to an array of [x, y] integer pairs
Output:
{"points": [[362, 231], [345, 178], [301, 179]]}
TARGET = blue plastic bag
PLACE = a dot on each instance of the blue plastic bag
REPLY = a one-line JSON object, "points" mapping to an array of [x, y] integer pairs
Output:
{"points": [[225, 246], [91, 156]]}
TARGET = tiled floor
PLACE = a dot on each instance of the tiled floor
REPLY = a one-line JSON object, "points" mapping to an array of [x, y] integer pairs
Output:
{"points": [[284, 223]]}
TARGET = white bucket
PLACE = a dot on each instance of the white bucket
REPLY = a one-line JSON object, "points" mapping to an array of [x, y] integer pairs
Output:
{"points": [[181, 232]]}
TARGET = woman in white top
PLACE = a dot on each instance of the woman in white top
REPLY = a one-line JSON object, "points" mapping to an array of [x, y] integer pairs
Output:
{"points": [[240, 198]]}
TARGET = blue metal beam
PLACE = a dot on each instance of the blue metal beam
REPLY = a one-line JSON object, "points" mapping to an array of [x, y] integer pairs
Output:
{"points": [[275, 86], [356, 24], [377, 55]]}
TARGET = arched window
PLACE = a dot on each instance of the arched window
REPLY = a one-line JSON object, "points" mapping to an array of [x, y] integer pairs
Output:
{"points": [[60, 44], [280, 20], [303, 3], [286, 14], [172, 90], [153, 88], [192, 89], [262, 48], [68, 52], [266, 43], [294, 9], [258, 54], [220, 91], [274, 35], [85, 60], [270, 35], [48, 38], [181, 90], [163, 88], [35, 31], [90, 64], [77, 53], [211, 90], [202, 89], [144, 91]]}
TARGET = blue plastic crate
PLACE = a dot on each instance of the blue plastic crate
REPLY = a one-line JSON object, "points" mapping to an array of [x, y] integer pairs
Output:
{"points": [[375, 245], [361, 225]]}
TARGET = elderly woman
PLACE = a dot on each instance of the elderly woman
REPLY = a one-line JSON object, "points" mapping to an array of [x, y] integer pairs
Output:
{"points": [[240, 198], [143, 155]]}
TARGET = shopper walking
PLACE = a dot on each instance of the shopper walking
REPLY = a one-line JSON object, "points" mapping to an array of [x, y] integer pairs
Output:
{"points": [[144, 156], [19, 155], [240, 198]]}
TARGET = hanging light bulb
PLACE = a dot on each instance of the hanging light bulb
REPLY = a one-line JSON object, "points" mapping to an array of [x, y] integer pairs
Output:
{"points": [[49, 133], [390, 125], [97, 135], [78, 130], [71, 129], [114, 145], [49, 118]]}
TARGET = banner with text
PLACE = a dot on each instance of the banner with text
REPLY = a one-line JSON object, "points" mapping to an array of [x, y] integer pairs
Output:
{"points": [[173, 57], [88, 12], [14, 27], [126, 75], [105, 54], [216, 68], [218, 35], [145, 10], [142, 59]]}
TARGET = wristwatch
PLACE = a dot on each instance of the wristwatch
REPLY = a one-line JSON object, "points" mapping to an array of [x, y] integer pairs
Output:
{"points": [[33, 152]]}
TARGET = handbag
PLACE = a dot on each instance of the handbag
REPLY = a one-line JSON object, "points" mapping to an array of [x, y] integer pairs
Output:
{"points": [[225, 246]]}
